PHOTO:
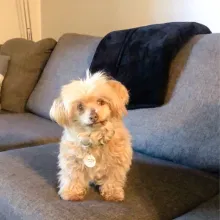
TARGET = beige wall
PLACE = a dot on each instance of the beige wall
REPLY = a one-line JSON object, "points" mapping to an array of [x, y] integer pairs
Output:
{"points": [[12, 23], [98, 17], [52, 18]]}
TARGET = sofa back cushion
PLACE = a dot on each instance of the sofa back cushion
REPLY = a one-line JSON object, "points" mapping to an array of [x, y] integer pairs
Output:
{"points": [[186, 129], [27, 60], [70, 59]]}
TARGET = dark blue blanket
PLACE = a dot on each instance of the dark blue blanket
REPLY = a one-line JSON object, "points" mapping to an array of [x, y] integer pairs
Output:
{"points": [[140, 58]]}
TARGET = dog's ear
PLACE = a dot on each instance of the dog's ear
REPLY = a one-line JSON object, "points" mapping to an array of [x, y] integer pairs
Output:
{"points": [[58, 112], [121, 91], [122, 97]]}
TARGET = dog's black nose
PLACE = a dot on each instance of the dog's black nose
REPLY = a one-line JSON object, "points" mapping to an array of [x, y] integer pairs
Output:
{"points": [[93, 116]]}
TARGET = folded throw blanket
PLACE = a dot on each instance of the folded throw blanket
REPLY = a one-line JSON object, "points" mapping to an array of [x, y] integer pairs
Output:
{"points": [[140, 58]]}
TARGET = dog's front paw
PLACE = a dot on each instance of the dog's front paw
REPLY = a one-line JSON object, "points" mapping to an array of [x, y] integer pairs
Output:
{"points": [[107, 133], [107, 136], [73, 194], [112, 193]]}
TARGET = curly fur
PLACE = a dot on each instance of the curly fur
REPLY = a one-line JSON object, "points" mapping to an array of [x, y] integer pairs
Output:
{"points": [[110, 141]]}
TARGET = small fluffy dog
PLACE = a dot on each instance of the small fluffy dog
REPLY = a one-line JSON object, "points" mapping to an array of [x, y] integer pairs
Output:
{"points": [[95, 145]]}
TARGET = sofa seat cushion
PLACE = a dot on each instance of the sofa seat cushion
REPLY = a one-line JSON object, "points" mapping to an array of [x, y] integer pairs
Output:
{"points": [[155, 189], [22, 130]]}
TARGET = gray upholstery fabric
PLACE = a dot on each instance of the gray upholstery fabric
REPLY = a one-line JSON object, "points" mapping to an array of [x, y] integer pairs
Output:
{"points": [[23, 130], [156, 190], [209, 210], [70, 59], [187, 129], [27, 61]]}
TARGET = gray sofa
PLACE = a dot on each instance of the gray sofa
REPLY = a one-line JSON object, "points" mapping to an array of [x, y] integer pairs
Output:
{"points": [[176, 161]]}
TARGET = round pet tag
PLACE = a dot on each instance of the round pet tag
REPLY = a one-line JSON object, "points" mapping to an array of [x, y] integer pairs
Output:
{"points": [[89, 161]]}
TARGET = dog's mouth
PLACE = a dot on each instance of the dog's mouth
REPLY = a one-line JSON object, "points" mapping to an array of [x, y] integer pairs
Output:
{"points": [[98, 123]]}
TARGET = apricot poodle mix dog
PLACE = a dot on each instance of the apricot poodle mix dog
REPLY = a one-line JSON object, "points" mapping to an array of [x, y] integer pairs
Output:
{"points": [[95, 145]]}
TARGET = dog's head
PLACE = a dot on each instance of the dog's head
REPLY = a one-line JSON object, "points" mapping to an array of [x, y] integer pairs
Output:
{"points": [[90, 102]]}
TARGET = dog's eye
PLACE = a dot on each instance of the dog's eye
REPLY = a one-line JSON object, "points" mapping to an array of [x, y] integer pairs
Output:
{"points": [[101, 102], [80, 107]]}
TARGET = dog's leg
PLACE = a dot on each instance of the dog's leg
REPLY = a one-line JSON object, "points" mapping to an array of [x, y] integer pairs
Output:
{"points": [[113, 187], [72, 186]]}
